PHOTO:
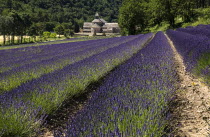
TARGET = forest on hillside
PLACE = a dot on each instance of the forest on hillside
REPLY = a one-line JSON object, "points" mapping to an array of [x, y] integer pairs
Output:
{"points": [[34, 17], [137, 16], [63, 10]]}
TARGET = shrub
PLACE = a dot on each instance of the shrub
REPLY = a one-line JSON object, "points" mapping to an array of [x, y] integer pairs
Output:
{"points": [[46, 35], [53, 35]]}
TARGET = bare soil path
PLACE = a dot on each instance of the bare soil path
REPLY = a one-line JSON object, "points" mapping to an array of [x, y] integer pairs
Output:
{"points": [[191, 107], [69, 108]]}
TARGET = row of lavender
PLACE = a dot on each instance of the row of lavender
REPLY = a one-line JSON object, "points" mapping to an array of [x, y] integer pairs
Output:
{"points": [[199, 31], [17, 70], [17, 53], [49, 42], [21, 54], [133, 99], [23, 109], [195, 51]]}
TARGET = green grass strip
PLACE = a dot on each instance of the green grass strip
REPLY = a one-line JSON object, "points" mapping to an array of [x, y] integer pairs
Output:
{"points": [[203, 67], [48, 43]]}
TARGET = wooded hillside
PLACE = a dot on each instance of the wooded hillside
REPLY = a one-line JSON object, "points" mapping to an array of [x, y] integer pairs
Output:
{"points": [[33, 17], [62, 11], [137, 16]]}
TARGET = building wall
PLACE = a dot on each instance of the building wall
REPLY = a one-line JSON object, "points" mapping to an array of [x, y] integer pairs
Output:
{"points": [[95, 30], [110, 28]]}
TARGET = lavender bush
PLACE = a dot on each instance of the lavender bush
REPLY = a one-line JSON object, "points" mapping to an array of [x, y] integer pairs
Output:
{"points": [[199, 31], [28, 54], [52, 61], [46, 93], [132, 101], [195, 52]]}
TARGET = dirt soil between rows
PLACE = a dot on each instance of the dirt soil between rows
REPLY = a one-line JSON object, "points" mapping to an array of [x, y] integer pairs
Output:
{"points": [[69, 108], [191, 107]]}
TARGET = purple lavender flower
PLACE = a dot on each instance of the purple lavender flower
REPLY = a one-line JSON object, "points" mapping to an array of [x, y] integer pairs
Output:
{"points": [[50, 90], [132, 99]]}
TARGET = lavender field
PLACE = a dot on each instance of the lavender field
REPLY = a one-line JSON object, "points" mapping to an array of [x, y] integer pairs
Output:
{"points": [[139, 83], [194, 46]]}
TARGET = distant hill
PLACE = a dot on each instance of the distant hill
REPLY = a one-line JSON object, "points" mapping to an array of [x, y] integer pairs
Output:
{"points": [[63, 11]]}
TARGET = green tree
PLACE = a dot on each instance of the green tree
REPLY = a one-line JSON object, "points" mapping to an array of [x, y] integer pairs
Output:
{"points": [[50, 26], [154, 13], [46, 35], [67, 25], [17, 26], [71, 32], [33, 31], [40, 28], [59, 30], [5, 27], [53, 35], [26, 22], [187, 10], [168, 9], [67, 33], [132, 17]]}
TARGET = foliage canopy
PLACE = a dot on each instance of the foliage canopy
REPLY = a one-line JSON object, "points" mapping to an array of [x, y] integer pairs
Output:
{"points": [[139, 15]]}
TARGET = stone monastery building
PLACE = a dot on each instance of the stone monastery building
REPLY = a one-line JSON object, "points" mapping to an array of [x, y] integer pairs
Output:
{"points": [[99, 25]]}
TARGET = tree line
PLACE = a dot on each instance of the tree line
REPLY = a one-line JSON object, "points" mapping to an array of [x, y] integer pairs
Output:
{"points": [[136, 16], [34, 17], [20, 24]]}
